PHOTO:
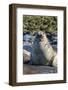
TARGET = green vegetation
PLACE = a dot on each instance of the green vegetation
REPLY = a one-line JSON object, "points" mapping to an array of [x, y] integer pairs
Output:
{"points": [[34, 23]]}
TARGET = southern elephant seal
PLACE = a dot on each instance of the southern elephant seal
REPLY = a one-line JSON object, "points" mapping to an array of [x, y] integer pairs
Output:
{"points": [[43, 53]]}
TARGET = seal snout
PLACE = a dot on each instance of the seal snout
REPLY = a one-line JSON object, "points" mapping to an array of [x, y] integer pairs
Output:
{"points": [[39, 36]]}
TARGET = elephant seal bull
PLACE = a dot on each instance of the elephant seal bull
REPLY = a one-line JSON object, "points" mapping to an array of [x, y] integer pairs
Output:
{"points": [[43, 53]]}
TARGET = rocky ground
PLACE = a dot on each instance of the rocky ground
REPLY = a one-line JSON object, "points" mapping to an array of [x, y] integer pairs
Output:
{"points": [[32, 69]]}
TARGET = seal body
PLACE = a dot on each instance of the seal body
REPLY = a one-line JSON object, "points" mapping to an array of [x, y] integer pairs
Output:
{"points": [[43, 53]]}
